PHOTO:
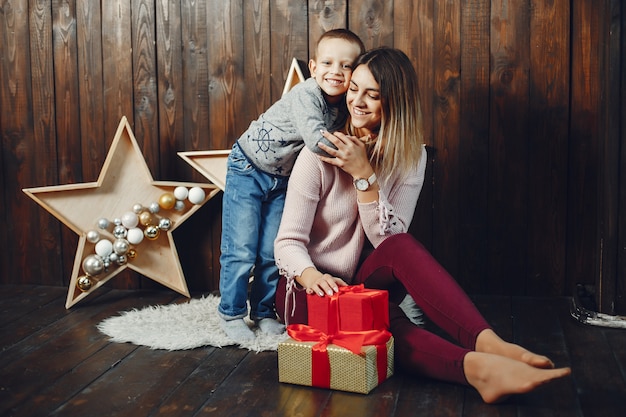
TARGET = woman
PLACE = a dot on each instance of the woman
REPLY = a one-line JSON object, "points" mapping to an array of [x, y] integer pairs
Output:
{"points": [[327, 225]]}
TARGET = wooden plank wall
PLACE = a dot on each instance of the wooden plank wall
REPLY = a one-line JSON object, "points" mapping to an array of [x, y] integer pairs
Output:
{"points": [[514, 93]]}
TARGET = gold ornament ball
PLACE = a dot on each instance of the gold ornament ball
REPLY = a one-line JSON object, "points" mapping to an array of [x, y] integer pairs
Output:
{"points": [[145, 218], [151, 232], [84, 283], [132, 254], [167, 201]]}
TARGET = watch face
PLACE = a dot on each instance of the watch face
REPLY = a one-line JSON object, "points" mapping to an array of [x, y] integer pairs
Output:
{"points": [[361, 184]]}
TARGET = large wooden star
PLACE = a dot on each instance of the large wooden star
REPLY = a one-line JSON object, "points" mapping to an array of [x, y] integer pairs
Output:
{"points": [[124, 184], [212, 164]]}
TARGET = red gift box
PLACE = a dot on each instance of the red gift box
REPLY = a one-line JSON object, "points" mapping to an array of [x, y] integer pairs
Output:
{"points": [[352, 309]]}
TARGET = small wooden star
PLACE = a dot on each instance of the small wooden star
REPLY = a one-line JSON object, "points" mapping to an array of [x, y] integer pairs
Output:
{"points": [[294, 76], [124, 184], [212, 164]]}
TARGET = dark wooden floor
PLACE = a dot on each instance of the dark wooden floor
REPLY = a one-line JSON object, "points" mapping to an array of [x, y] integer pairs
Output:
{"points": [[54, 362]]}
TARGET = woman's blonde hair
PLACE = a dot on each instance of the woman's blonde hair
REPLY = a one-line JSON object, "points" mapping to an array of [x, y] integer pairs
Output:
{"points": [[401, 134]]}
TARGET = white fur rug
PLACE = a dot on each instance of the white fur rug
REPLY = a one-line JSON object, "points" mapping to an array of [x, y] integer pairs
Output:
{"points": [[194, 324], [179, 327]]}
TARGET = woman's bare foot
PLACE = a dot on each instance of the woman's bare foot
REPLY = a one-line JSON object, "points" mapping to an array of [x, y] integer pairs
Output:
{"points": [[489, 342], [497, 377]]}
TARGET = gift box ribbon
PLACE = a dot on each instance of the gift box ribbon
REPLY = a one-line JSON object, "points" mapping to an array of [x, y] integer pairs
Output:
{"points": [[353, 341]]}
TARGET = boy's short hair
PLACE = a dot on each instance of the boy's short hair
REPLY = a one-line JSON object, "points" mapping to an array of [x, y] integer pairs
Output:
{"points": [[344, 34]]}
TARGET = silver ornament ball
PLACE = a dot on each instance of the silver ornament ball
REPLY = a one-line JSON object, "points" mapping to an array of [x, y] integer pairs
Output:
{"points": [[154, 207], [120, 232], [103, 223], [93, 265], [93, 236], [122, 260], [165, 224], [121, 246]]}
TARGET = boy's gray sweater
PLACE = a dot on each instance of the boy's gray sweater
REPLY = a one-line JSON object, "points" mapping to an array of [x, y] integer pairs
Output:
{"points": [[272, 142]]}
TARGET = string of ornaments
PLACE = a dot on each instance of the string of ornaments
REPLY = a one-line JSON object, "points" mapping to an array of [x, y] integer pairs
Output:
{"points": [[129, 231]]}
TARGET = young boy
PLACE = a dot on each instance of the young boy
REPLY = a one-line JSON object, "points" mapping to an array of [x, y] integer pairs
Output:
{"points": [[258, 169]]}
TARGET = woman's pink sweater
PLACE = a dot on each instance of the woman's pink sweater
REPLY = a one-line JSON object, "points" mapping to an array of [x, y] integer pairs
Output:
{"points": [[323, 224]]}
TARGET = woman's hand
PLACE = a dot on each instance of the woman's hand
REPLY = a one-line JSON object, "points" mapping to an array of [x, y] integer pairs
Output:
{"points": [[350, 155], [318, 283]]}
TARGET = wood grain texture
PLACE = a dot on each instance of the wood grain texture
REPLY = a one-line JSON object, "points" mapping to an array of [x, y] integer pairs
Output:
{"points": [[169, 80], [446, 133], [620, 301], [45, 128], [226, 72], [508, 145], [288, 39], [372, 20], [195, 73], [90, 88], [144, 78], [547, 143], [324, 16], [610, 296], [18, 147], [413, 34], [117, 65], [67, 105], [582, 192], [256, 62], [474, 145]]}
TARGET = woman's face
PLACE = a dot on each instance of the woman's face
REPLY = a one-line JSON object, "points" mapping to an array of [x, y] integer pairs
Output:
{"points": [[364, 101]]}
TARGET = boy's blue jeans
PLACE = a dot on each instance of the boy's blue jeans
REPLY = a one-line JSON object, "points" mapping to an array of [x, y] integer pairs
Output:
{"points": [[252, 207]]}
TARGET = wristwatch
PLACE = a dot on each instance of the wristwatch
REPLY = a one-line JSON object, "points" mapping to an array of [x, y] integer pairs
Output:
{"points": [[363, 184]]}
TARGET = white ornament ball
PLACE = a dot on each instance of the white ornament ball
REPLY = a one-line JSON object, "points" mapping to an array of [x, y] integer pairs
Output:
{"points": [[196, 195], [129, 220], [181, 193], [104, 248], [179, 205], [134, 236]]}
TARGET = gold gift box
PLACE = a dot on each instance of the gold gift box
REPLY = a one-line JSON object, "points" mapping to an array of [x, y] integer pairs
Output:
{"points": [[348, 372]]}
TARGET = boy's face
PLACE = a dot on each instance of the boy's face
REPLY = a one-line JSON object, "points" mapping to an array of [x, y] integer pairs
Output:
{"points": [[332, 67]]}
